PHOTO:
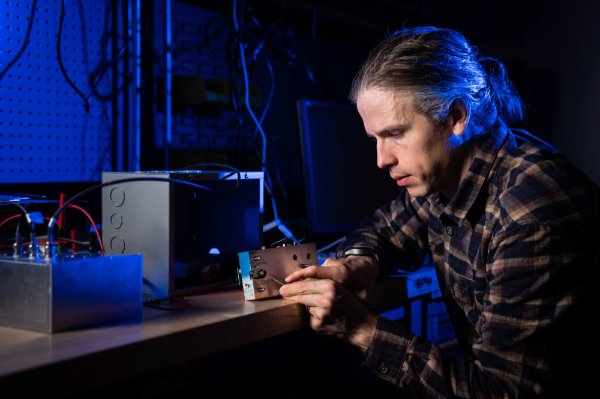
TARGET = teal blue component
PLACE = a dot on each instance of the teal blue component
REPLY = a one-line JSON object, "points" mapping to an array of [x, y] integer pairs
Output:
{"points": [[247, 281], [244, 265]]}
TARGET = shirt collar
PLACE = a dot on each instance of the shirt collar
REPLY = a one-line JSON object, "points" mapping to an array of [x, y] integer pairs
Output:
{"points": [[457, 208]]}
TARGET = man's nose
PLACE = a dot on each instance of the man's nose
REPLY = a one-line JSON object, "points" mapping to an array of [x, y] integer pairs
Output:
{"points": [[385, 159]]}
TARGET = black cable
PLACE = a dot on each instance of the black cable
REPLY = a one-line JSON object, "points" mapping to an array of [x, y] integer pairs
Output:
{"points": [[98, 71], [104, 65], [104, 70], [60, 63], [307, 69], [25, 41], [73, 241], [52, 220], [233, 171], [86, 99], [83, 34], [263, 159], [31, 227]]}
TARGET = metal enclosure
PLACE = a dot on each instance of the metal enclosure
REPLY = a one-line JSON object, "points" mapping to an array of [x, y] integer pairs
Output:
{"points": [[69, 291], [190, 237]]}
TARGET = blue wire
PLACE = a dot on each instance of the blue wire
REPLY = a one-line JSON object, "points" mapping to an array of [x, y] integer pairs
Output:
{"points": [[263, 136]]}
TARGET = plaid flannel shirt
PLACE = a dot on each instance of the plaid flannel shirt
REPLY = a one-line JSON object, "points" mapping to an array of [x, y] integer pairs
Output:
{"points": [[513, 249]]}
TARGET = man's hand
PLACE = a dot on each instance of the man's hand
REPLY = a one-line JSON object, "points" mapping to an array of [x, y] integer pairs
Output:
{"points": [[332, 308], [357, 273], [333, 295]]}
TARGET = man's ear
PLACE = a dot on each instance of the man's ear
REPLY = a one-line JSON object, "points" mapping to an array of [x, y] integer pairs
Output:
{"points": [[458, 117]]}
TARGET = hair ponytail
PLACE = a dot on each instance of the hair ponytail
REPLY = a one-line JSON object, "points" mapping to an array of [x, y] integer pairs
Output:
{"points": [[438, 66], [504, 96]]}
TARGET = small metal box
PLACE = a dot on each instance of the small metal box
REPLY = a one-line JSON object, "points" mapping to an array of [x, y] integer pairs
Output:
{"points": [[69, 291], [263, 270]]}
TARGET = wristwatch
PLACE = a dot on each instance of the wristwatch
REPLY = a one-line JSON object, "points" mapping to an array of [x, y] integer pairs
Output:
{"points": [[360, 251]]}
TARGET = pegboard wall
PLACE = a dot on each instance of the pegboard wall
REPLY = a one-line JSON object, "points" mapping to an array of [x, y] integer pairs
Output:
{"points": [[46, 133]]}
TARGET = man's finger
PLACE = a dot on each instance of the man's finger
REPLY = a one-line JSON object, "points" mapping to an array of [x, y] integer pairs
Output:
{"points": [[310, 300], [302, 287], [308, 272]]}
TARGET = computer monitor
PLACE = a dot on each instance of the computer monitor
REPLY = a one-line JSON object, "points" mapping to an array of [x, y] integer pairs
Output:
{"points": [[342, 183]]}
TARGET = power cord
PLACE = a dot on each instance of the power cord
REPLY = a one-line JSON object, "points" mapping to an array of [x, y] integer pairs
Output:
{"points": [[25, 41], [85, 98], [280, 225]]}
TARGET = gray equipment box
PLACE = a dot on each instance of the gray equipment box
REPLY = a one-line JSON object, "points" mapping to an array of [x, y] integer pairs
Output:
{"points": [[69, 291], [189, 236]]}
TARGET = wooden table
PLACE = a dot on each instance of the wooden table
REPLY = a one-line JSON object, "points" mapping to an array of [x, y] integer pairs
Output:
{"points": [[69, 362]]}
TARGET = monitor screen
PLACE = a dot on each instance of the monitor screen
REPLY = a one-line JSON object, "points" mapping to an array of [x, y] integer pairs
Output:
{"points": [[342, 183]]}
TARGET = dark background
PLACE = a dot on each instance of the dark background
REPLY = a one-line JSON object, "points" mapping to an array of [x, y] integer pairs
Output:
{"points": [[314, 48], [550, 49], [50, 145]]}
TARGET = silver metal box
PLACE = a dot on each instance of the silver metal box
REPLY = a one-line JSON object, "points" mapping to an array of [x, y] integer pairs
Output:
{"points": [[189, 236], [263, 270], [69, 291]]}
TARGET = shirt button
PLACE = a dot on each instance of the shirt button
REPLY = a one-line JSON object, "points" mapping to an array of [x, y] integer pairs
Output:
{"points": [[383, 368], [456, 288], [449, 230]]}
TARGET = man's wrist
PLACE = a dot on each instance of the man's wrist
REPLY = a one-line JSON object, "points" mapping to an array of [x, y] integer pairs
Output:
{"points": [[363, 337]]}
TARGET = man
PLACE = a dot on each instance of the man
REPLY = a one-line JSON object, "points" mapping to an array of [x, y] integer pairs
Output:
{"points": [[510, 224]]}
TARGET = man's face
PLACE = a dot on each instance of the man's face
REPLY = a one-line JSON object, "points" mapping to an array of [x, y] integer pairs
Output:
{"points": [[414, 149]]}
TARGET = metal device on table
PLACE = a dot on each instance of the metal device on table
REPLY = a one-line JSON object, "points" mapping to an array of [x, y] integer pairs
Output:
{"points": [[263, 270], [189, 237], [69, 291], [48, 292]]}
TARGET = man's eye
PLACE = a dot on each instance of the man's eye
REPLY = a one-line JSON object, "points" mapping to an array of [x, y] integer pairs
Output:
{"points": [[396, 133]]}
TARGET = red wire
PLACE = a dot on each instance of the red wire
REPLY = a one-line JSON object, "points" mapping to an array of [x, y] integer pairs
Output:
{"points": [[74, 238], [92, 222], [61, 201], [9, 218], [70, 206]]}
